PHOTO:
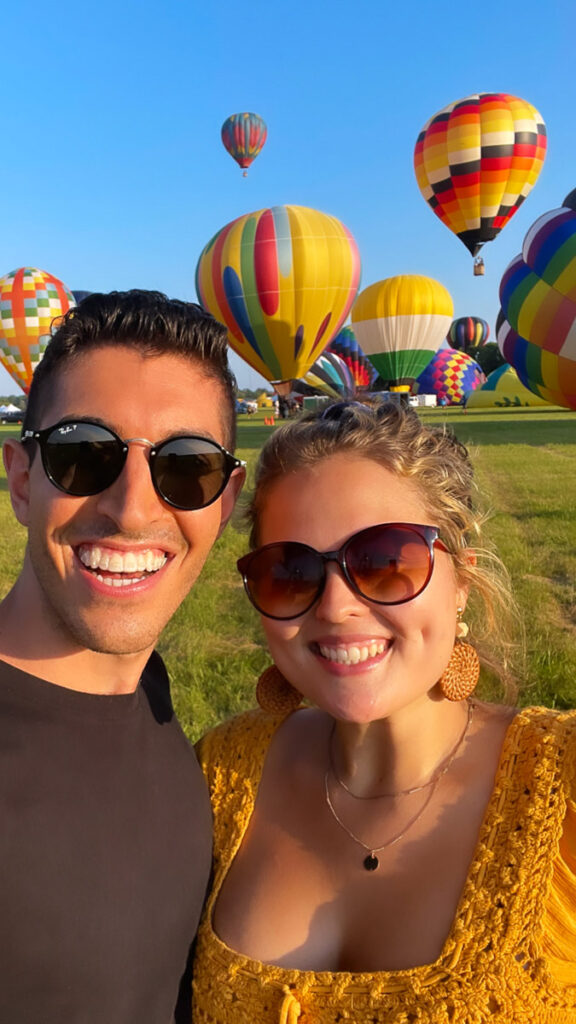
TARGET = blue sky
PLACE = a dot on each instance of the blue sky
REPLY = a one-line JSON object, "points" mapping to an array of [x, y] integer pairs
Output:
{"points": [[114, 176]]}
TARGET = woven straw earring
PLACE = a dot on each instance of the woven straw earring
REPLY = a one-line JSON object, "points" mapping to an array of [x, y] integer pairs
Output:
{"points": [[275, 694], [460, 677]]}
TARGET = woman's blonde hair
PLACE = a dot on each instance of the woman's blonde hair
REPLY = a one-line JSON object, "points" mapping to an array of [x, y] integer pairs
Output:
{"points": [[440, 467]]}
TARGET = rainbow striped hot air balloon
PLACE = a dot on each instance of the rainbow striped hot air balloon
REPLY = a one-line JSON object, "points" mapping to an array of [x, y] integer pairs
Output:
{"points": [[346, 346], [243, 136], [30, 299], [330, 375], [537, 331], [282, 280], [476, 161], [400, 323], [450, 375], [468, 332]]}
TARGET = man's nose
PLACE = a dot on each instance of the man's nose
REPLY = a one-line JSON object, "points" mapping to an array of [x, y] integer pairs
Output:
{"points": [[132, 501]]}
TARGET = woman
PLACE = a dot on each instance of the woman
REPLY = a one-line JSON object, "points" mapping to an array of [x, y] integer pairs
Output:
{"points": [[395, 851]]}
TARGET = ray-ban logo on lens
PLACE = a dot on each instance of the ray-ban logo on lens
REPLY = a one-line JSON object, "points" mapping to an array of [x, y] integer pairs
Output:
{"points": [[67, 430]]}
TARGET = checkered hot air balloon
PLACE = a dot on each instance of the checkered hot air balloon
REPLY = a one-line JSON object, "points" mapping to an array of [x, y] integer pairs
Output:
{"points": [[30, 300], [476, 161], [450, 375], [243, 136], [282, 280], [537, 328]]}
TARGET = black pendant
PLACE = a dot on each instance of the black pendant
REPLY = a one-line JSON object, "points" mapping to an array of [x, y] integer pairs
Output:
{"points": [[371, 862]]}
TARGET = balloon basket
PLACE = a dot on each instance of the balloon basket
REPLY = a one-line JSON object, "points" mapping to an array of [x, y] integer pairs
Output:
{"points": [[478, 267]]}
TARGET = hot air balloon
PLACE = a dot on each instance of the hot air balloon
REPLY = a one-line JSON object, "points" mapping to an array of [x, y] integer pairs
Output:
{"points": [[502, 390], [346, 346], [468, 332], [282, 280], [244, 135], [30, 299], [400, 323], [450, 375], [330, 375], [538, 298], [476, 161]]}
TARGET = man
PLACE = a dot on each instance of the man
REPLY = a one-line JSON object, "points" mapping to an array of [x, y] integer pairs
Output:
{"points": [[123, 482]]}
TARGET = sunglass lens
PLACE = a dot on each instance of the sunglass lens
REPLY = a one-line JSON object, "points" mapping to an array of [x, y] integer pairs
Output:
{"points": [[283, 580], [389, 564], [82, 458], [190, 472]]}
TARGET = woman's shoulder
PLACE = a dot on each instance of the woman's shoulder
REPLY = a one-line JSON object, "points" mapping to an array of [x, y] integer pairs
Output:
{"points": [[545, 742], [245, 736]]}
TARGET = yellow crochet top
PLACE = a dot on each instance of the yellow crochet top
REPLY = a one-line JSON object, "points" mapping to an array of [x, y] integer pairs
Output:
{"points": [[510, 957]]}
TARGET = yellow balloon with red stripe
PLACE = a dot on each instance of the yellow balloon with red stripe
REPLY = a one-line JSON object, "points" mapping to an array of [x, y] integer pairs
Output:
{"points": [[282, 280]]}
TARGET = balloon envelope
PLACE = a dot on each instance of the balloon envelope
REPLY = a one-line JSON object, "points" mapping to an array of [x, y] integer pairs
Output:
{"points": [[476, 161], [450, 375], [400, 323], [330, 375], [346, 346], [468, 332], [282, 280], [502, 390], [243, 136], [538, 297], [30, 299]]}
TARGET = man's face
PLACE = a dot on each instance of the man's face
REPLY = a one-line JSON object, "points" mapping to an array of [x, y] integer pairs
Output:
{"points": [[108, 571]]}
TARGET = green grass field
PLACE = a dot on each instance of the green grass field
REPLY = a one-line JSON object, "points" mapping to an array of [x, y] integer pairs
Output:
{"points": [[526, 470]]}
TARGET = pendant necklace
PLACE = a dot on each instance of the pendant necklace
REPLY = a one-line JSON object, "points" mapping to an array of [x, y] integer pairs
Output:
{"points": [[371, 862]]}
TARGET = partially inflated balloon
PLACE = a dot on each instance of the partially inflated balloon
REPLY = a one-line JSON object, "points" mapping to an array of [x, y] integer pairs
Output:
{"points": [[476, 161], [502, 390], [30, 299], [468, 332], [537, 332], [400, 323], [244, 135], [450, 375], [346, 346], [330, 375], [282, 280]]}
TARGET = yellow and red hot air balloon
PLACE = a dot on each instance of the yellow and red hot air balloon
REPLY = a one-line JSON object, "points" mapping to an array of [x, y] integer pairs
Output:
{"points": [[30, 300], [400, 323], [476, 161], [282, 280], [243, 136]]}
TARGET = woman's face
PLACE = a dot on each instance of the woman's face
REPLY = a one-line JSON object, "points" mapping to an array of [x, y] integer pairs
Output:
{"points": [[358, 660]]}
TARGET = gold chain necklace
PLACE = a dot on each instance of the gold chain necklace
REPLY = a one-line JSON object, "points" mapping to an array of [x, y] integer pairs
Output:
{"points": [[371, 861]]}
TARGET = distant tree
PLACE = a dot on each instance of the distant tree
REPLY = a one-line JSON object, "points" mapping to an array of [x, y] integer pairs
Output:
{"points": [[488, 357], [18, 400]]}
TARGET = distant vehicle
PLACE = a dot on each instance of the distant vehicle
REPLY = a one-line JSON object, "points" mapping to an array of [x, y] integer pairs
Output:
{"points": [[243, 406], [12, 417]]}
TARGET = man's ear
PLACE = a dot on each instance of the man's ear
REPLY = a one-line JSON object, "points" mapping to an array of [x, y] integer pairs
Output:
{"points": [[230, 496], [17, 466]]}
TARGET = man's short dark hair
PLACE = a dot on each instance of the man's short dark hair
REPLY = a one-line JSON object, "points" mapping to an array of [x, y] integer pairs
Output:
{"points": [[144, 320]]}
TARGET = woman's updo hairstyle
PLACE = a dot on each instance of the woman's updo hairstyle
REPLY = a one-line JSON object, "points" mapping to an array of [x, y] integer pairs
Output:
{"points": [[434, 461]]}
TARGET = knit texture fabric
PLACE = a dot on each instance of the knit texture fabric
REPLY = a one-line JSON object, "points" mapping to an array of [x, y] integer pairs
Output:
{"points": [[510, 956]]}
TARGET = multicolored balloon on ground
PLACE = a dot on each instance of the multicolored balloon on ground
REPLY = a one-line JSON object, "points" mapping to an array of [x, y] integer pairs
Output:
{"points": [[476, 161], [537, 330], [346, 346], [450, 375], [502, 390], [468, 332], [243, 136], [282, 280], [330, 375], [400, 323], [30, 299]]}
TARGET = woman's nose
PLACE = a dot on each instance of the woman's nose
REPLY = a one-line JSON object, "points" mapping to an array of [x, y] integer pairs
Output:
{"points": [[338, 599]]}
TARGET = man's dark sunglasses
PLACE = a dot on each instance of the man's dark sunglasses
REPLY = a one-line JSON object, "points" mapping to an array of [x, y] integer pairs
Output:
{"points": [[388, 564], [83, 458]]}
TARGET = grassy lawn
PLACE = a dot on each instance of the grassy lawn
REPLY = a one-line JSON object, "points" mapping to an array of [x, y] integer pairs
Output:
{"points": [[526, 472]]}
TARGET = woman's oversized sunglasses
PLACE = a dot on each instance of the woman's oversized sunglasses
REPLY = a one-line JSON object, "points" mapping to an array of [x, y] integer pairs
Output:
{"points": [[83, 458], [388, 564]]}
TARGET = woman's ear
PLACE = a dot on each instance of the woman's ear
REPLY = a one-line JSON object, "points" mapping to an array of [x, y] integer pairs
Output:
{"points": [[463, 589], [17, 466]]}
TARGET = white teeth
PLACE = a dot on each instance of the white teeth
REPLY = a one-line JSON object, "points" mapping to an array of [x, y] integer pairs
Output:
{"points": [[94, 557], [354, 654], [117, 581]]}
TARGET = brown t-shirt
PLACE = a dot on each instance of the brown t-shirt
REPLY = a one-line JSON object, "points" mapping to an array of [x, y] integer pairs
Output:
{"points": [[105, 848]]}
